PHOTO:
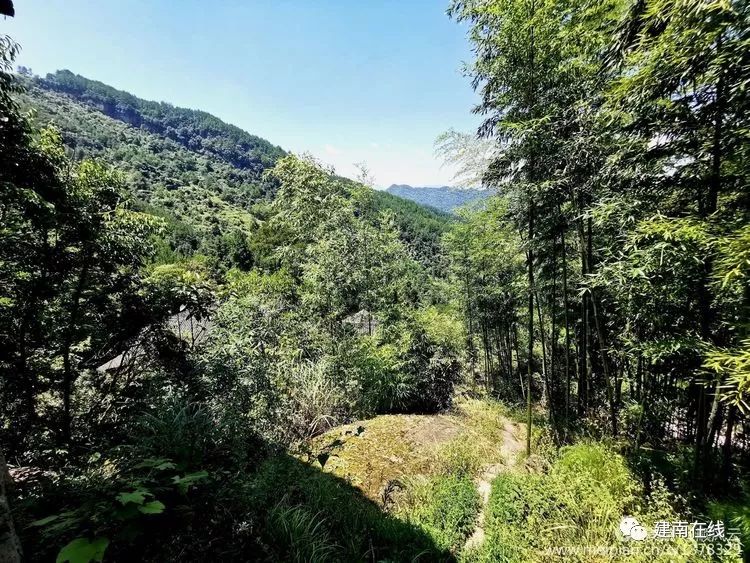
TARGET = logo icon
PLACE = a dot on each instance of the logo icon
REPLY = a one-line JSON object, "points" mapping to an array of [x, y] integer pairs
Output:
{"points": [[631, 528]]}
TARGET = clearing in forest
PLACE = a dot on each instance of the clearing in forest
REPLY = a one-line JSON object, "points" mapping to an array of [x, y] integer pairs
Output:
{"points": [[378, 454]]}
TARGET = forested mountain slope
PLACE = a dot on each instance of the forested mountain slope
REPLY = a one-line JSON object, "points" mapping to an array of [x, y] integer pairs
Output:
{"points": [[197, 130], [203, 175], [444, 198]]}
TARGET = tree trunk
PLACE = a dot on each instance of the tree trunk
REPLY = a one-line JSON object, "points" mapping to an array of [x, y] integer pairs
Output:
{"points": [[584, 364], [470, 318], [518, 359], [703, 422], [553, 336], [567, 326], [714, 420], [68, 376], [531, 177], [10, 545], [529, 370], [714, 186], [605, 365], [726, 469], [543, 341]]}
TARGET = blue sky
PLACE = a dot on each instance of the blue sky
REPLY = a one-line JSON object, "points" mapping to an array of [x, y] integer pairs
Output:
{"points": [[347, 80]]}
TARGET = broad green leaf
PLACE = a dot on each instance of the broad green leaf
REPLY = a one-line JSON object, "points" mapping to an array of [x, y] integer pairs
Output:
{"points": [[184, 483], [153, 507], [81, 550], [158, 464], [45, 521], [136, 497]]}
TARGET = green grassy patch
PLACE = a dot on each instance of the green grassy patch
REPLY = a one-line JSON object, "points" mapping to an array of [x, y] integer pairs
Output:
{"points": [[445, 507], [579, 504]]}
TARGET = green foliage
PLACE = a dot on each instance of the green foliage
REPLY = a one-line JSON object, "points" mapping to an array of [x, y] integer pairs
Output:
{"points": [[82, 550], [301, 534], [620, 156], [196, 130], [411, 365], [617, 139], [460, 458], [203, 176], [69, 272], [486, 267], [599, 464], [420, 228], [580, 502], [114, 500], [446, 508], [735, 513], [733, 369]]}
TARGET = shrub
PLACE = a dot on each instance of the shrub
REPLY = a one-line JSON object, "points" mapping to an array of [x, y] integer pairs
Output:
{"points": [[598, 465], [410, 366], [459, 457], [735, 514], [197, 434], [311, 400], [124, 506]]}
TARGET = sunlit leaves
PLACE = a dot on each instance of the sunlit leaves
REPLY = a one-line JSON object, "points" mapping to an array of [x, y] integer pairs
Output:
{"points": [[732, 367]]}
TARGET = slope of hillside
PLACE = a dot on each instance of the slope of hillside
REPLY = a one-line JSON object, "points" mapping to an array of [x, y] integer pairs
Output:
{"points": [[197, 188], [205, 176], [197, 130], [444, 198]]}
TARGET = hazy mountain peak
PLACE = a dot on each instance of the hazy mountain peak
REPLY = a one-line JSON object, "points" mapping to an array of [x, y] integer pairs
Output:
{"points": [[445, 198]]}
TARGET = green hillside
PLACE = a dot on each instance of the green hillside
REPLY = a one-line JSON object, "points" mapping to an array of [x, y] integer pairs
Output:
{"points": [[205, 176]]}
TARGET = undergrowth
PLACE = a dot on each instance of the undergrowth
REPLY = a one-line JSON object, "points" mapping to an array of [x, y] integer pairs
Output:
{"points": [[577, 506]]}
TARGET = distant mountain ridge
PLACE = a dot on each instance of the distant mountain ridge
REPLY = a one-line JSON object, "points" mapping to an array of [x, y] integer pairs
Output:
{"points": [[444, 198]]}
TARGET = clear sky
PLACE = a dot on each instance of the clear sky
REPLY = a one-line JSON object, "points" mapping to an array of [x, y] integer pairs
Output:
{"points": [[346, 80]]}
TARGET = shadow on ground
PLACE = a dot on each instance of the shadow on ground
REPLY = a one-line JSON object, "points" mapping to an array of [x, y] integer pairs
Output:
{"points": [[314, 516]]}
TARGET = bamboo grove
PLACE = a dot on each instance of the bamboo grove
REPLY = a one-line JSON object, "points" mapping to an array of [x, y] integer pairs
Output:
{"points": [[608, 278]]}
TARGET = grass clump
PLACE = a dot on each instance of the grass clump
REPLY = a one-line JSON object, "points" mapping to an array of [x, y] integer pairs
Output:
{"points": [[301, 533], [458, 457], [445, 507]]}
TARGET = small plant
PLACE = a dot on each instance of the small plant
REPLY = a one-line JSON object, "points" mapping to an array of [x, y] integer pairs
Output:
{"points": [[116, 510], [459, 458], [302, 534], [445, 507]]}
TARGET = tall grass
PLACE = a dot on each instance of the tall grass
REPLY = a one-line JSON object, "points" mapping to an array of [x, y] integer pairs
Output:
{"points": [[301, 534], [579, 503], [445, 507]]}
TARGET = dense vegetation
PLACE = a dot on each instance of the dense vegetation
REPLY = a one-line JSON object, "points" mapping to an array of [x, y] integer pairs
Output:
{"points": [[126, 340], [185, 309], [204, 177], [609, 281], [625, 206]]}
